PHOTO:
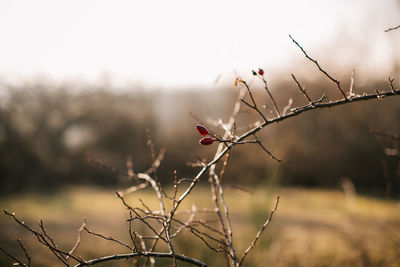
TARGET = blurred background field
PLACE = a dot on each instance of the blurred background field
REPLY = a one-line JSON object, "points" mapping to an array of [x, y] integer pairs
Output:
{"points": [[312, 227], [46, 134]]}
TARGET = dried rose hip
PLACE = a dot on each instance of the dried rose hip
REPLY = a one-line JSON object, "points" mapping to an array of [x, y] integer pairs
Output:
{"points": [[206, 141], [202, 130], [261, 72]]}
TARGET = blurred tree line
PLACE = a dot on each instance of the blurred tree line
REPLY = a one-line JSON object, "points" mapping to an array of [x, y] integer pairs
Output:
{"points": [[46, 132]]}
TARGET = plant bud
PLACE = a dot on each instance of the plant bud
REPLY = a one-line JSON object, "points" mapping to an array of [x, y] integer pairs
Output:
{"points": [[261, 71], [254, 72], [202, 130], [206, 141]]}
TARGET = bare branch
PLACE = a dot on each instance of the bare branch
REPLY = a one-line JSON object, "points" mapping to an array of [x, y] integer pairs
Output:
{"points": [[239, 188], [78, 239], [351, 88], [252, 245], [43, 240], [288, 106], [225, 223], [104, 166], [391, 84], [205, 225], [25, 252], [142, 254], [267, 151], [41, 224], [302, 89], [157, 162], [270, 95], [188, 221], [392, 29], [224, 164], [254, 105], [107, 238], [132, 234], [140, 218], [129, 166], [12, 257], [205, 242], [133, 188], [319, 67]]}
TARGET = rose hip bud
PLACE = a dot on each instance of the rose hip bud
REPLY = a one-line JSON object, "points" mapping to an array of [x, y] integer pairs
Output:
{"points": [[202, 130], [206, 141], [261, 71]]}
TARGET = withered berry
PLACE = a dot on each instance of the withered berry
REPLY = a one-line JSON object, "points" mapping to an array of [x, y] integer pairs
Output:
{"points": [[202, 130], [206, 141]]}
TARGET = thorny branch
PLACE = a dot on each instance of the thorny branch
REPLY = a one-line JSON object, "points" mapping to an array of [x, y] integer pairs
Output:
{"points": [[319, 67], [164, 224]]}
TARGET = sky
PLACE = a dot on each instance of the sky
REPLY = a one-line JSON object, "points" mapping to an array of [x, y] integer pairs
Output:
{"points": [[182, 43]]}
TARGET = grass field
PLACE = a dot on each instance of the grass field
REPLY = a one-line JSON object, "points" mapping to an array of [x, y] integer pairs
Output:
{"points": [[310, 228]]}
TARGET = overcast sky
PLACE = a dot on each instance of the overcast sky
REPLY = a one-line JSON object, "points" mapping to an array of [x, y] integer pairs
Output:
{"points": [[189, 43]]}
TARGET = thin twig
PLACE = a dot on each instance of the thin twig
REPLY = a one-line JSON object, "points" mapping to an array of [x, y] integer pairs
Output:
{"points": [[351, 88], [108, 238], [391, 84], [140, 218], [392, 29], [205, 225], [133, 188], [252, 245], [205, 242], [217, 207], [12, 257], [227, 220], [266, 150], [254, 105], [41, 224], [25, 252], [132, 234], [302, 89], [78, 239], [319, 67], [188, 221], [270, 95], [42, 239], [142, 254], [288, 106]]}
